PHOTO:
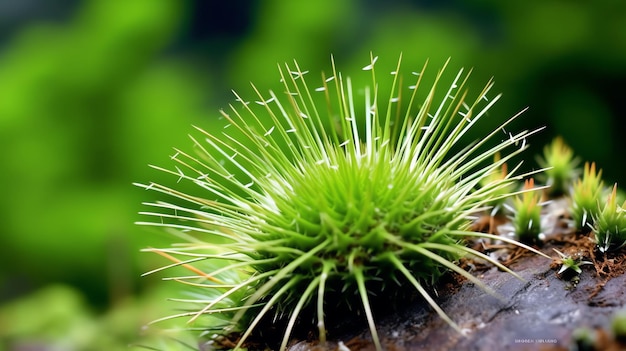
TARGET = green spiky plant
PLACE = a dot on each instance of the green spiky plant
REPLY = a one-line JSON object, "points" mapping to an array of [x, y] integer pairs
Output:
{"points": [[586, 193], [610, 224], [304, 213]]}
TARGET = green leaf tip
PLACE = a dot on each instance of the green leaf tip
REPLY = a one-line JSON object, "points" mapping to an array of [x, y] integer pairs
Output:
{"points": [[610, 223]]}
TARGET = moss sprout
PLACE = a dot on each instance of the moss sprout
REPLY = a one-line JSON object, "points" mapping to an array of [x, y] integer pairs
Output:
{"points": [[560, 167], [586, 193], [610, 224], [527, 213]]}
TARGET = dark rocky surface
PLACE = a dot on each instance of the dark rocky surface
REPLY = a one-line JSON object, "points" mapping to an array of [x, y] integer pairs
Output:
{"points": [[539, 312]]}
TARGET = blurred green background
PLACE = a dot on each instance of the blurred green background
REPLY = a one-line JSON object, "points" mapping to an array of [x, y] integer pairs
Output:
{"points": [[91, 92]]}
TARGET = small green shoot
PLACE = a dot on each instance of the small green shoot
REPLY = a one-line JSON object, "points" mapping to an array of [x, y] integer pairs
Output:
{"points": [[569, 263], [610, 224], [560, 167], [618, 325], [527, 213], [585, 195]]}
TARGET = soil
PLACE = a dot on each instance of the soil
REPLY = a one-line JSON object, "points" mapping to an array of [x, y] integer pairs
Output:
{"points": [[539, 312]]}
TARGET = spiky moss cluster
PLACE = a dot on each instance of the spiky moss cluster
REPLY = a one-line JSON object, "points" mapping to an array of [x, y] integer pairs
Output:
{"points": [[304, 211], [560, 167], [586, 193], [527, 218], [610, 224]]}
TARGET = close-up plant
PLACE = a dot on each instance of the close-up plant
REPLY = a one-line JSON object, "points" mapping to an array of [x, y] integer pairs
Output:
{"points": [[318, 212]]}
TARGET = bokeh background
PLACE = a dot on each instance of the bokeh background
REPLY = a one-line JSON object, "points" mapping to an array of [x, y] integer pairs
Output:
{"points": [[91, 92]]}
